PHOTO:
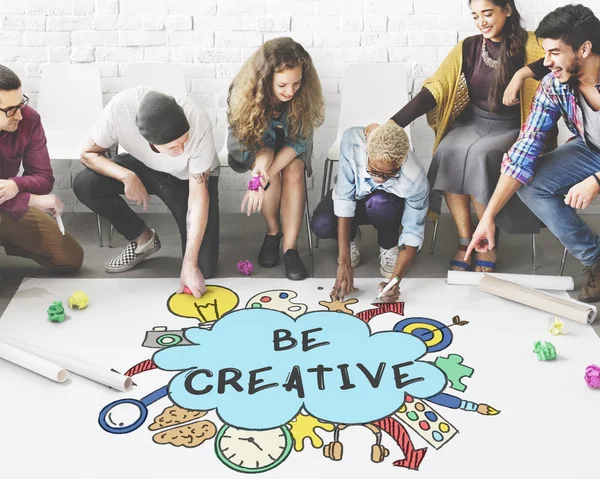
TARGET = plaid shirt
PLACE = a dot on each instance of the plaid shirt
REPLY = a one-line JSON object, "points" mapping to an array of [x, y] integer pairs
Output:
{"points": [[552, 100]]}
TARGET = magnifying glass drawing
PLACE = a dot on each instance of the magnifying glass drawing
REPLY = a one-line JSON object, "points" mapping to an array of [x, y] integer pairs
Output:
{"points": [[127, 415]]}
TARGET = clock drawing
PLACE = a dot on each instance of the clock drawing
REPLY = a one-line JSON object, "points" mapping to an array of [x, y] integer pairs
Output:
{"points": [[253, 451]]}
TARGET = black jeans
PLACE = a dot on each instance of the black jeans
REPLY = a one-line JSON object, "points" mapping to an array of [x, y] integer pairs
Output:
{"points": [[102, 195]]}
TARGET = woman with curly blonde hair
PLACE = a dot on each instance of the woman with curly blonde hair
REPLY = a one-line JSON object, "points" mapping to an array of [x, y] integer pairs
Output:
{"points": [[274, 105]]}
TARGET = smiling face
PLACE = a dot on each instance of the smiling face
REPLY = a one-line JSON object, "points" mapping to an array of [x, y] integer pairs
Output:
{"points": [[10, 99], [562, 59], [176, 147], [286, 83], [489, 18]]}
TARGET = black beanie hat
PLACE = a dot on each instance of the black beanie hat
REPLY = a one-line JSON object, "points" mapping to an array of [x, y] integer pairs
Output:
{"points": [[160, 119]]}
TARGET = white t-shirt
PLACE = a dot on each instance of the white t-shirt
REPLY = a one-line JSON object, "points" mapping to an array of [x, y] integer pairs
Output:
{"points": [[117, 125]]}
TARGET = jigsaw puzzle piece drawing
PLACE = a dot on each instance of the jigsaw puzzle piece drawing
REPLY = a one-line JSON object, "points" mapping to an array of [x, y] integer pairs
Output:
{"points": [[455, 370]]}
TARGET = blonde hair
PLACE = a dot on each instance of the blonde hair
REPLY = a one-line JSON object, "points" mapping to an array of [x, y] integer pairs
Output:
{"points": [[389, 144], [250, 99]]}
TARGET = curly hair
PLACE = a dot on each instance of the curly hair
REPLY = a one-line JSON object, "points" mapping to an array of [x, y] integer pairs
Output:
{"points": [[389, 144], [250, 98]]}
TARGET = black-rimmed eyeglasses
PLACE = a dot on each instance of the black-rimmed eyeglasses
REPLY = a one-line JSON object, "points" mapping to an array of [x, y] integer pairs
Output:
{"points": [[12, 111]]}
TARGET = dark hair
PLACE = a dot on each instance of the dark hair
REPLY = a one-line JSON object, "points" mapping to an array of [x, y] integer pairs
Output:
{"points": [[573, 24], [512, 52], [8, 79]]}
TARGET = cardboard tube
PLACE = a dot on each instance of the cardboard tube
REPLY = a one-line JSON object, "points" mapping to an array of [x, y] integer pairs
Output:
{"points": [[77, 366], [33, 363], [554, 283], [566, 308]]}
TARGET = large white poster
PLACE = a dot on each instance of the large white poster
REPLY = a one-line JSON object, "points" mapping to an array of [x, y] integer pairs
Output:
{"points": [[274, 378]]}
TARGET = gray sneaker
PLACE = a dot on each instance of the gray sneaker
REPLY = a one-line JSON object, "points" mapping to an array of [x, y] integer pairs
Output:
{"points": [[132, 255], [590, 293]]}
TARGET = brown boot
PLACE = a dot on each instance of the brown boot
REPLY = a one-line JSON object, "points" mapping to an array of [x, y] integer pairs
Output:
{"points": [[590, 293]]}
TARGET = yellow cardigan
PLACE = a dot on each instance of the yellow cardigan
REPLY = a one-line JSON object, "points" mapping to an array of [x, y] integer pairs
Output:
{"points": [[449, 88]]}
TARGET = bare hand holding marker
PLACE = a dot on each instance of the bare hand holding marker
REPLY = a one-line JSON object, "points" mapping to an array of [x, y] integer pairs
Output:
{"points": [[389, 292]]}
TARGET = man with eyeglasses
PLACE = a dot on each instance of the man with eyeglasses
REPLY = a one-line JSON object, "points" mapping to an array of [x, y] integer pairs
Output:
{"points": [[382, 183], [26, 229], [170, 153]]}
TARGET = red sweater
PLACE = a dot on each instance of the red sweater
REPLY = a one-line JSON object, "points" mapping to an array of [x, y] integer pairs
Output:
{"points": [[27, 146]]}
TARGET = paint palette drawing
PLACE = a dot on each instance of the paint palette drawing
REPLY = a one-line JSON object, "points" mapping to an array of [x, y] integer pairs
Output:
{"points": [[426, 422]]}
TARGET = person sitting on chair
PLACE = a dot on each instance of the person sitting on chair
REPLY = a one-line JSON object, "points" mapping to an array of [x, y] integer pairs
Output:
{"points": [[171, 154], [380, 182], [274, 105], [26, 229]]}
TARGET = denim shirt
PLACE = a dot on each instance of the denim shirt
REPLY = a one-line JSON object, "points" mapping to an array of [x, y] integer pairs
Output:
{"points": [[245, 157], [354, 183]]}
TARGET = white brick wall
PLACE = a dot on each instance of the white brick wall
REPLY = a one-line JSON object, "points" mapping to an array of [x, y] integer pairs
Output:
{"points": [[212, 37]]}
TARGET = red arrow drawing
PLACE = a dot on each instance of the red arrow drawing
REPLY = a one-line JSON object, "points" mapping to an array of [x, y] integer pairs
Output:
{"points": [[369, 314], [144, 366], [412, 457]]}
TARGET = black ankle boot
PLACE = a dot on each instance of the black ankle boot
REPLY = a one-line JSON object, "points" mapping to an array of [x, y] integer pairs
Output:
{"points": [[294, 267], [268, 256]]}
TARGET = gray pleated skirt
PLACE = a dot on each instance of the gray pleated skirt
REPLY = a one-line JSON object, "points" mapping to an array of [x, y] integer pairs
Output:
{"points": [[468, 161]]}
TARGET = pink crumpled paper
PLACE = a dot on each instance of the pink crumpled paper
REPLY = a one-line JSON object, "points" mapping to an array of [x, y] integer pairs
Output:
{"points": [[245, 267], [592, 376]]}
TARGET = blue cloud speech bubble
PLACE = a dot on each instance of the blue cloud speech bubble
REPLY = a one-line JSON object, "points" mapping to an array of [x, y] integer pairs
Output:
{"points": [[259, 367]]}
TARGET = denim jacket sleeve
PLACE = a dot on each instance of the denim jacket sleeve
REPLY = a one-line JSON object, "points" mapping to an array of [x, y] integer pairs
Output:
{"points": [[240, 159], [415, 206], [298, 144], [344, 193]]}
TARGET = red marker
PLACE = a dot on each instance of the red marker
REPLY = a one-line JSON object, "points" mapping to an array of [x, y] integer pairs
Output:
{"points": [[187, 290]]}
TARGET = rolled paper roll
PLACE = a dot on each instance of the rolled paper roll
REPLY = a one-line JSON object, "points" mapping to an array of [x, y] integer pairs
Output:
{"points": [[77, 366], [553, 283], [34, 363], [566, 308]]}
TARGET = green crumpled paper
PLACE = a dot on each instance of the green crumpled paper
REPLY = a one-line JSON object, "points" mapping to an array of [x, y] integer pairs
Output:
{"points": [[56, 312], [544, 350]]}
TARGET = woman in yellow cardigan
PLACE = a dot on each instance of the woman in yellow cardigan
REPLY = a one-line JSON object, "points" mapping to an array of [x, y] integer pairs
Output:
{"points": [[463, 103]]}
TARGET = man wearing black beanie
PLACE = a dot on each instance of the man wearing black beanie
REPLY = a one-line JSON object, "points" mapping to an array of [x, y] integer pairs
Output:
{"points": [[170, 153]]}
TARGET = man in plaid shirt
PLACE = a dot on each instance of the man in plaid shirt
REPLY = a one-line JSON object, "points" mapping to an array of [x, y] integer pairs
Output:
{"points": [[554, 185]]}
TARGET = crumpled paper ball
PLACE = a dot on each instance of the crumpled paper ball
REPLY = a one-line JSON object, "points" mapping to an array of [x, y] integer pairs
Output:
{"points": [[592, 376], [245, 267], [56, 312], [544, 350], [78, 300], [254, 184]]}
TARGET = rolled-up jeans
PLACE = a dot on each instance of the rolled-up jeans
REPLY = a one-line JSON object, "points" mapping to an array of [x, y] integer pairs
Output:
{"points": [[557, 172], [102, 195]]}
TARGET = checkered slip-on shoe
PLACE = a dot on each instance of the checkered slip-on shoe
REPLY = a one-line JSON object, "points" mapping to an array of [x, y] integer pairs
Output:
{"points": [[132, 255]]}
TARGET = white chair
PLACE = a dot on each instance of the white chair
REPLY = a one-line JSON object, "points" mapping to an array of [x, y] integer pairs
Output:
{"points": [[371, 93], [223, 160], [69, 103], [167, 78]]}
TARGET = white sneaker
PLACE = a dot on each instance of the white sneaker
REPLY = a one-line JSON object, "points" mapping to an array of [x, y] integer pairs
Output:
{"points": [[387, 261]]}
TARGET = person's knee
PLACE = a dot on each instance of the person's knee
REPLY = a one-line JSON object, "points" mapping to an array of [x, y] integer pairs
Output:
{"points": [[294, 171], [379, 204], [68, 260], [321, 225], [83, 184]]}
